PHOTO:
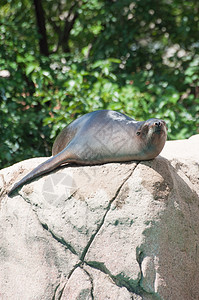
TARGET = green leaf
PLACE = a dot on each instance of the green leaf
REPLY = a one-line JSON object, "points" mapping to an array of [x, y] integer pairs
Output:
{"points": [[30, 68]]}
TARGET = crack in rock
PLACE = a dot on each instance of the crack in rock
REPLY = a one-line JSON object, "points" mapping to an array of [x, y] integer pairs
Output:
{"points": [[120, 280], [103, 219], [55, 292], [91, 281], [133, 286], [59, 239], [74, 268], [81, 266], [82, 257], [58, 293], [139, 258]]}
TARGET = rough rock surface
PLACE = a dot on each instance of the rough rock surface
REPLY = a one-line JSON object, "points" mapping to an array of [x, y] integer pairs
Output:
{"points": [[116, 231]]}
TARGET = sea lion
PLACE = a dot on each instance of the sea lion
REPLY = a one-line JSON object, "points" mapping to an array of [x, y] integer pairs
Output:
{"points": [[100, 137]]}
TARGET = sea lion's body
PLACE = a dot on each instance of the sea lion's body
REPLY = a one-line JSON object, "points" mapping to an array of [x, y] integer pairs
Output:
{"points": [[103, 136]]}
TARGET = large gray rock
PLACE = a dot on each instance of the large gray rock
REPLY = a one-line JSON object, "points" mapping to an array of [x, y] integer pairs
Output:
{"points": [[116, 231]]}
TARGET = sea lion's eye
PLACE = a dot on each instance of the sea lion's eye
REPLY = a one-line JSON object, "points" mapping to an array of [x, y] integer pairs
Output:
{"points": [[138, 132]]}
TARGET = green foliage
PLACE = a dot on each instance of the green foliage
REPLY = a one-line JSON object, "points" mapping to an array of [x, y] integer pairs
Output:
{"points": [[137, 57]]}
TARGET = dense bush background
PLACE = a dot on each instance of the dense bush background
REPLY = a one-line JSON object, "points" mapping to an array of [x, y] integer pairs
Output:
{"points": [[60, 59]]}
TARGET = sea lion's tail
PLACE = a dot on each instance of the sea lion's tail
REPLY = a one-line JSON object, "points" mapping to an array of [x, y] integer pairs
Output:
{"points": [[52, 163]]}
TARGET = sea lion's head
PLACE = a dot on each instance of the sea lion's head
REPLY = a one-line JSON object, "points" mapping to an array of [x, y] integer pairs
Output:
{"points": [[152, 135]]}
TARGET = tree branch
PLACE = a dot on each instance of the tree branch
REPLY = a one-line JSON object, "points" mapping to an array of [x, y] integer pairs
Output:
{"points": [[40, 17]]}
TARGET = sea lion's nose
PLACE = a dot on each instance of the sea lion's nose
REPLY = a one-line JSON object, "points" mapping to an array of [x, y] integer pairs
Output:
{"points": [[158, 124]]}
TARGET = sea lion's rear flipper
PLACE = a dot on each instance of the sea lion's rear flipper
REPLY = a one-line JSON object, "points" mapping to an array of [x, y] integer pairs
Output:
{"points": [[47, 166]]}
